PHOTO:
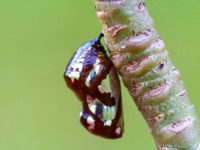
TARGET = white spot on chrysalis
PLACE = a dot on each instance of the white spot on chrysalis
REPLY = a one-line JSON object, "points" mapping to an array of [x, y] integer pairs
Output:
{"points": [[80, 60], [91, 123], [81, 113], [93, 109], [108, 123], [95, 71], [90, 120], [74, 75], [118, 130]]}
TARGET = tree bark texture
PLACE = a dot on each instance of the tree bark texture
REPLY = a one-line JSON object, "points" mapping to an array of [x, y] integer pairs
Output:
{"points": [[140, 56]]}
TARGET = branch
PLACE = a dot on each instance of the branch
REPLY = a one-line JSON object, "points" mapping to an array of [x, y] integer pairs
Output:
{"points": [[140, 57]]}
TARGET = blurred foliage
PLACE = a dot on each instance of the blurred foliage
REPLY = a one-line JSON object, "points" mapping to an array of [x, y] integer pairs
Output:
{"points": [[37, 38]]}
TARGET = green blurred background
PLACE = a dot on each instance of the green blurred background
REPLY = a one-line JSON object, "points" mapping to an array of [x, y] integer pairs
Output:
{"points": [[37, 38]]}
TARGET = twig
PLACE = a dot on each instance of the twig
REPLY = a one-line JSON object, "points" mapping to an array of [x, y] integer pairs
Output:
{"points": [[140, 57]]}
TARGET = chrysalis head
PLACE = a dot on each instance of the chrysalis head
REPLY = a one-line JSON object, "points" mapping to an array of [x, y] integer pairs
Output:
{"points": [[92, 77]]}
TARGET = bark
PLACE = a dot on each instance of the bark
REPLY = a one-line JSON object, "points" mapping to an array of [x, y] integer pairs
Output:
{"points": [[140, 56]]}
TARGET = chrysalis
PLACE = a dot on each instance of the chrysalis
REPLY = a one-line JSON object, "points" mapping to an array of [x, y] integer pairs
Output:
{"points": [[87, 75]]}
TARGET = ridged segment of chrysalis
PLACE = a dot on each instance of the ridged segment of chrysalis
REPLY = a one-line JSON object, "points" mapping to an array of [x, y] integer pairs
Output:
{"points": [[92, 77], [140, 56]]}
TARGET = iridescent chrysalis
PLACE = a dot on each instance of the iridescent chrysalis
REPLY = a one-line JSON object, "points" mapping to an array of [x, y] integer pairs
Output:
{"points": [[86, 75]]}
